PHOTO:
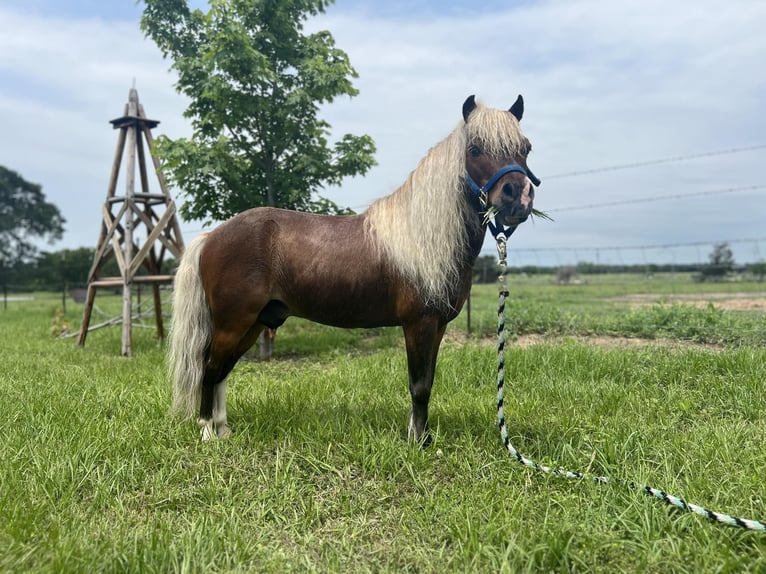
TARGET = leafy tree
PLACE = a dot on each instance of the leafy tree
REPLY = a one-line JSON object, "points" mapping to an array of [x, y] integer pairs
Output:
{"points": [[24, 215], [49, 270], [485, 269], [70, 266], [255, 83], [565, 274], [759, 270], [721, 263]]}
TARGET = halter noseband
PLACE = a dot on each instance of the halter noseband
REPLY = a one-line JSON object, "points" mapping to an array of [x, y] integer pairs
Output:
{"points": [[482, 192]]}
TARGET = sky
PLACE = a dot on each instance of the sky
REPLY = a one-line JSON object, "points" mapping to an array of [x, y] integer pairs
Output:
{"points": [[606, 84]]}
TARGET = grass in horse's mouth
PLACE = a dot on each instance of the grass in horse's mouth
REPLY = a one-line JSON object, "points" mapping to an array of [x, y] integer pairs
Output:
{"points": [[492, 211], [541, 214]]}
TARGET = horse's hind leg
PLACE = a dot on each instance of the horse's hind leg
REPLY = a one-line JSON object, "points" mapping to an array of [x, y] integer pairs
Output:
{"points": [[422, 340], [213, 398], [223, 356]]}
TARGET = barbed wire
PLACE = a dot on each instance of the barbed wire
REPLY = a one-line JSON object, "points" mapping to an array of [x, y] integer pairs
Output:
{"points": [[641, 247], [659, 161], [617, 167], [655, 198]]}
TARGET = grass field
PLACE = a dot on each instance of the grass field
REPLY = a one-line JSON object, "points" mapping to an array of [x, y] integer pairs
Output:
{"points": [[97, 477]]}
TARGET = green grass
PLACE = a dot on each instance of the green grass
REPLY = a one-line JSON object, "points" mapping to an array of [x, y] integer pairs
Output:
{"points": [[539, 306], [96, 476]]}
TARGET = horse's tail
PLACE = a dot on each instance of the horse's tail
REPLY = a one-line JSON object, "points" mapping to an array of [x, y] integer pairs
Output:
{"points": [[191, 332]]}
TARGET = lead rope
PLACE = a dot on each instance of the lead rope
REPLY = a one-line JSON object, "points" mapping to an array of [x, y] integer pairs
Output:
{"points": [[675, 501]]}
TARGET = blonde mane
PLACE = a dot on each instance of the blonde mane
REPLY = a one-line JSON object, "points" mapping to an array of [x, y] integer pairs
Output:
{"points": [[422, 228]]}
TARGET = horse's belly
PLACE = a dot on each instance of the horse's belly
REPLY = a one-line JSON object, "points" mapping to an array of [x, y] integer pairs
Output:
{"points": [[343, 307]]}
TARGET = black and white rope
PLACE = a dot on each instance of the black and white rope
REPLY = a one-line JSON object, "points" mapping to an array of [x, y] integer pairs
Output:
{"points": [[674, 501]]}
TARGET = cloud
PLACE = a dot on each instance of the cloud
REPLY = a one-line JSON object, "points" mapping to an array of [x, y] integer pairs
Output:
{"points": [[604, 83]]}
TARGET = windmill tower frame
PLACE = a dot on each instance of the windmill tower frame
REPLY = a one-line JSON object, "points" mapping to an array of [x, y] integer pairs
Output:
{"points": [[118, 238]]}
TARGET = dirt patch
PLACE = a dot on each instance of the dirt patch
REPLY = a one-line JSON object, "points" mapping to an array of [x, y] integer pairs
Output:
{"points": [[526, 341], [737, 301], [734, 304]]}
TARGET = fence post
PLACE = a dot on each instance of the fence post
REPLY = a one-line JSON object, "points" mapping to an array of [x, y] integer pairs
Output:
{"points": [[468, 313], [63, 281], [4, 277]]}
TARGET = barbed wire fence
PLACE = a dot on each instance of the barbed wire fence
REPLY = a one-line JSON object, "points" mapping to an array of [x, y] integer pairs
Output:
{"points": [[672, 256]]}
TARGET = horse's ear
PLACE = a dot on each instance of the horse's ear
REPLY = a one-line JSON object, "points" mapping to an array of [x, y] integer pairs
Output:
{"points": [[468, 106], [517, 109]]}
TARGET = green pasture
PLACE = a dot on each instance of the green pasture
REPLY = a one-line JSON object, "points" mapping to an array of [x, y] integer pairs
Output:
{"points": [[623, 305], [96, 476]]}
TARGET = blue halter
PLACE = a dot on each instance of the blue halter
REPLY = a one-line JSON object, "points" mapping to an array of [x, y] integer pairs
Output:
{"points": [[482, 191]]}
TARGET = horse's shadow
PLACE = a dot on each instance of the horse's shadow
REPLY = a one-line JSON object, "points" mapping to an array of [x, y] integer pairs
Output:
{"points": [[263, 421], [323, 343]]}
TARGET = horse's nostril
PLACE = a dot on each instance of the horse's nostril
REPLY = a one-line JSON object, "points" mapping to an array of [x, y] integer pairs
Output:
{"points": [[508, 189]]}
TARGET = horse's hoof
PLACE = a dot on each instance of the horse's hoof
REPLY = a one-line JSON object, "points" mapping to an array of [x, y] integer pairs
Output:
{"points": [[424, 439], [206, 429], [224, 431]]}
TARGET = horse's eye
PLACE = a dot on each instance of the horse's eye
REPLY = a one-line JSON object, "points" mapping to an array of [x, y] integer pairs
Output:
{"points": [[475, 151]]}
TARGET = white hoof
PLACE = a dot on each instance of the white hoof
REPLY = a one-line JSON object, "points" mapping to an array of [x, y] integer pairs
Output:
{"points": [[206, 429]]}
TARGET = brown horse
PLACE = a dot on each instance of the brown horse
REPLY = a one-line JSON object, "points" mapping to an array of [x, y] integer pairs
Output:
{"points": [[405, 261]]}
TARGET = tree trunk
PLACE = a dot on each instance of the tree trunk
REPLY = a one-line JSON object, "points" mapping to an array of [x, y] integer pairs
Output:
{"points": [[266, 344], [266, 338]]}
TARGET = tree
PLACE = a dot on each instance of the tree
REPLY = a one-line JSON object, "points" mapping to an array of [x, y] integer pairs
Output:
{"points": [[255, 83], [24, 215], [485, 269], [70, 266], [758, 269], [565, 274], [721, 263]]}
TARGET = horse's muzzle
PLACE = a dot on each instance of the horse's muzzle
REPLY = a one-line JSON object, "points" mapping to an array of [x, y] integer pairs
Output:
{"points": [[516, 202], [513, 218]]}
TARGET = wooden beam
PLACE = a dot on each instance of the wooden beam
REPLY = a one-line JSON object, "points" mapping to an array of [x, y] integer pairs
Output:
{"points": [[154, 235], [118, 255], [164, 188], [130, 189], [151, 238], [141, 162], [104, 240], [116, 164], [86, 313], [118, 281]]}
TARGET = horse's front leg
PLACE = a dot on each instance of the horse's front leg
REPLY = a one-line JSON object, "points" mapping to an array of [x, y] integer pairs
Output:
{"points": [[422, 339], [219, 411]]}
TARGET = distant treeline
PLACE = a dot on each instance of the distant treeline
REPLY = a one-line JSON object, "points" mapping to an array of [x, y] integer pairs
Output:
{"points": [[485, 270], [70, 267]]}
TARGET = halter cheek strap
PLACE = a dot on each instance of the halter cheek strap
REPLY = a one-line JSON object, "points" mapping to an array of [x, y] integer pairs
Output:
{"points": [[482, 191]]}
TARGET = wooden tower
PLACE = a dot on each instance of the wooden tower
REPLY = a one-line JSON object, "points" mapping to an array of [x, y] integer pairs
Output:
{"points": [[123, 216]]}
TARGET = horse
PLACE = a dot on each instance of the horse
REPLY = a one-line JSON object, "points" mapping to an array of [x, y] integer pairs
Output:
{"points": [[406, 261]]}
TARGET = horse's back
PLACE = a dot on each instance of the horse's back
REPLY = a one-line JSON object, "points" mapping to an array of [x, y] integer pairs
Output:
{"points": [[324, 268]]}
